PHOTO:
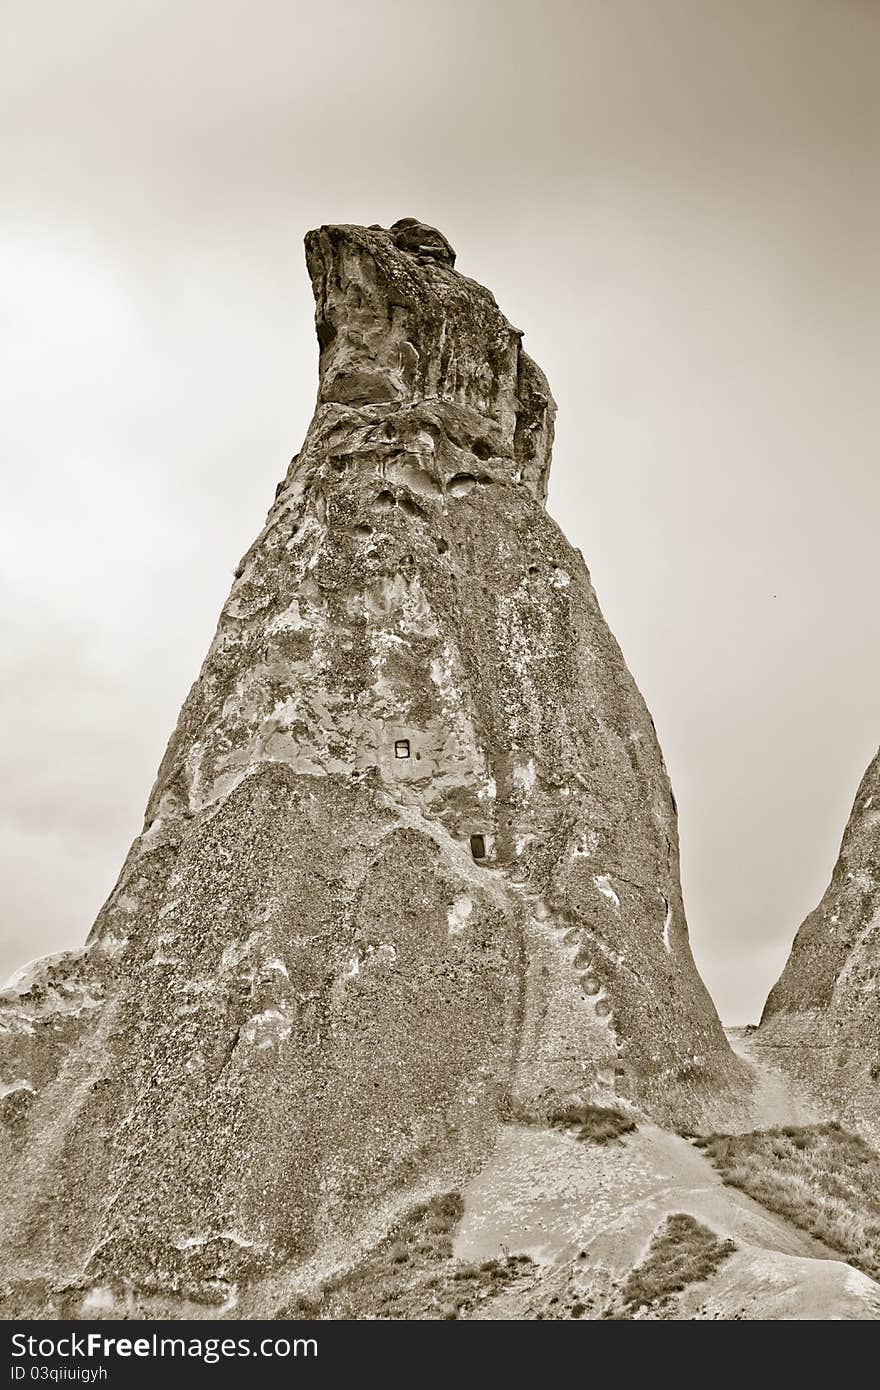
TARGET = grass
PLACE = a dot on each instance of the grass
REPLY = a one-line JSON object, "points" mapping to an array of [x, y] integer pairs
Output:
{"points": [[682, 1252], [596, 1124], [819, 1177], [411, 1274]]}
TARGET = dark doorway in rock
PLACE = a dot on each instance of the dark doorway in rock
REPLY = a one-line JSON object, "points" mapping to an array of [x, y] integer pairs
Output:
{"points": [[478, 846], [401, 748]]}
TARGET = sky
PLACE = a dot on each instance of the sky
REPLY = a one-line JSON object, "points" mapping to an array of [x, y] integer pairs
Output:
{"points": [[677, 201]]}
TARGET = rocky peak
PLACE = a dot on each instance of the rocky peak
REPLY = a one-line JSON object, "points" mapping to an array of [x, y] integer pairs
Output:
{"points": [[420, 349]]}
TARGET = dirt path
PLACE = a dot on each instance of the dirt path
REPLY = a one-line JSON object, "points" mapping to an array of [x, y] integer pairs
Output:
{"points": [[545, 1194], [586, 1214], [776, 1098]]}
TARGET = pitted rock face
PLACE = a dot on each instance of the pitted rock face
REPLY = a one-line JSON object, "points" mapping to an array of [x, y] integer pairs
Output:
{"points": [[821, 1022], [410, 859]]}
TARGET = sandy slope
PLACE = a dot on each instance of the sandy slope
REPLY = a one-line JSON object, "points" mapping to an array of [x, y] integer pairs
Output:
{"points": [[757, 1285], [544, 1193], [586, 1215]]}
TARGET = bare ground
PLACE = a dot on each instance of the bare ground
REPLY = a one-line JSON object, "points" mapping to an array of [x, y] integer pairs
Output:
{"points": [[586, 1214]]}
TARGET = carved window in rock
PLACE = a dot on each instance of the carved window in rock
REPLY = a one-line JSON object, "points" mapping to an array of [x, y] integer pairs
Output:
{"points": [[401, 748], [478, 846]]}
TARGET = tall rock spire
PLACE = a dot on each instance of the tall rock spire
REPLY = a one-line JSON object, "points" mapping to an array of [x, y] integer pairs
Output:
{"points": [[410, 862]]}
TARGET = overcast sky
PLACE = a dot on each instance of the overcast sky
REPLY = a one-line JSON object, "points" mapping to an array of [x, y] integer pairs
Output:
{"points": [[677, 200]]}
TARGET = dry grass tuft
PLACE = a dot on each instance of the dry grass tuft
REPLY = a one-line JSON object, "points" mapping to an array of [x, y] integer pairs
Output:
{"points": [[682, 1252], [819, 1177], [596, 1124], [411, 1274]]}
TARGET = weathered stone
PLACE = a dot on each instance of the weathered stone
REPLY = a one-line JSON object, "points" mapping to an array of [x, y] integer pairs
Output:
{"points": [[821, 1022], [414, 761]]}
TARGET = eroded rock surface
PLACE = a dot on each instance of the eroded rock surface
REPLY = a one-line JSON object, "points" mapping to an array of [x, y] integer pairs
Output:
{"points": [[821, 1022], [410, 863]]}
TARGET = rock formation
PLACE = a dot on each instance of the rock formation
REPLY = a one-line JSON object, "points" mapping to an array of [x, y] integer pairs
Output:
{"points": [[410, 863], [821, 1022]]}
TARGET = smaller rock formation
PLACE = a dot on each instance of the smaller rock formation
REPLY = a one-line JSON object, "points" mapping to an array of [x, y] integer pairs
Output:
{"points": [[821, 1022]]}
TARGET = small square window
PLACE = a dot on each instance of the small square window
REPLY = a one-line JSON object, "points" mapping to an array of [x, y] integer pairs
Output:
{"points": [[401, 748], [478, 846]]}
